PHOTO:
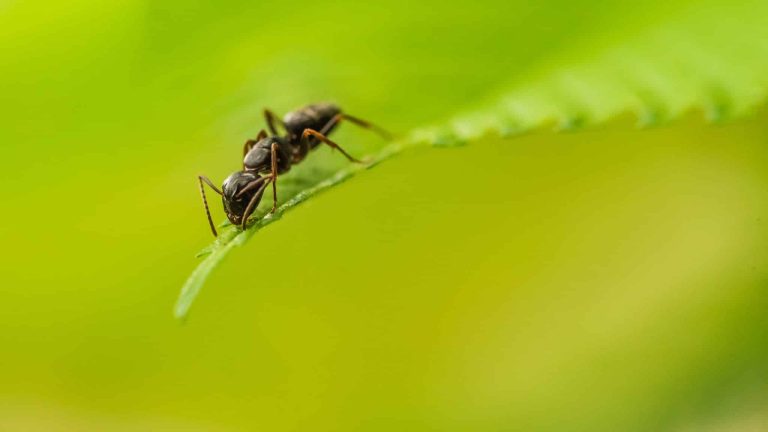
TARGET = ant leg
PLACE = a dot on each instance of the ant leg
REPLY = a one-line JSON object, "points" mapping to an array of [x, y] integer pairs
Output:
{"points": [[362, 123], [274, 177], [251, 186], [252, 142], [311, 132], [302, 151], [256, 198], [201, 179], [271, 119]]}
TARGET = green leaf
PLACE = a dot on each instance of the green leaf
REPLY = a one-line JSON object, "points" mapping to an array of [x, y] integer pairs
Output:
{"points": [[705, 57]]}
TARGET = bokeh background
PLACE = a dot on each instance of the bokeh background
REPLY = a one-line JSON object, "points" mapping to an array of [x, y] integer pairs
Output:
{"points": [[610, 279]]}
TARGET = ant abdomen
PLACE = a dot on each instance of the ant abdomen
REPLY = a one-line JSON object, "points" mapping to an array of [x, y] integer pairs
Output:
{"points": [[315, 116]]}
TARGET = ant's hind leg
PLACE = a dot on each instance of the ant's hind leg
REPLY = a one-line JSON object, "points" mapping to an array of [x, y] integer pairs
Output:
{"points": [[311, 132], [271, 119], [360, 122], [203, 179]]}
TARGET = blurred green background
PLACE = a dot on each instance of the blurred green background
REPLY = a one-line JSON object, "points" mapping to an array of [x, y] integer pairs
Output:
{"points": [[606, 280]]}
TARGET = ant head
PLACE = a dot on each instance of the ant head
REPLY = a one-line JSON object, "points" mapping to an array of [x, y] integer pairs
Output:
{"points": [[235, 199]]}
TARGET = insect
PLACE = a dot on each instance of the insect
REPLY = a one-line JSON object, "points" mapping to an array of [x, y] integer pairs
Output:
{"points": [[268, 156]]}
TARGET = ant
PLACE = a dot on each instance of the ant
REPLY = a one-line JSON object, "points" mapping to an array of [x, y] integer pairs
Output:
{"points": [[266, 157]]}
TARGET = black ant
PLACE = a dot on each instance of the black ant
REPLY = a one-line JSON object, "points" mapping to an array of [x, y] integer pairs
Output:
{"points": [[265, 157]]}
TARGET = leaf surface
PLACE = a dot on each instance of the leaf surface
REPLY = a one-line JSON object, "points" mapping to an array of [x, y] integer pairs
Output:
{"points": [[706, 57]]}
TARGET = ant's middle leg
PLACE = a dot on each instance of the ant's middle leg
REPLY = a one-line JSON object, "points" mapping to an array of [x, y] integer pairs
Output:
{"points": [[360, 122], [313, 133], [261, 182], [271, 119]]}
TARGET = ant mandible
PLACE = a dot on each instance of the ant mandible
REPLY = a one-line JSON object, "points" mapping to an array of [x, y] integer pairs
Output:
{"points": [[266, 157]]}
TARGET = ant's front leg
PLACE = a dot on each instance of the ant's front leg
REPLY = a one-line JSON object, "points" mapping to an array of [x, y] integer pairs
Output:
{"points": [[252, 142], [313, 133], [261, 183]]}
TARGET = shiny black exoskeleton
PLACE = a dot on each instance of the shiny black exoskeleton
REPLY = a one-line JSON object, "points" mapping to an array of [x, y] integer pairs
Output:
{"points": [[266, 157]]}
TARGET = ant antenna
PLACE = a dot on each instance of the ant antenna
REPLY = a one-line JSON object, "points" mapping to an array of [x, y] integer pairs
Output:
{"points": [[205, 179], [256, 197]]}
